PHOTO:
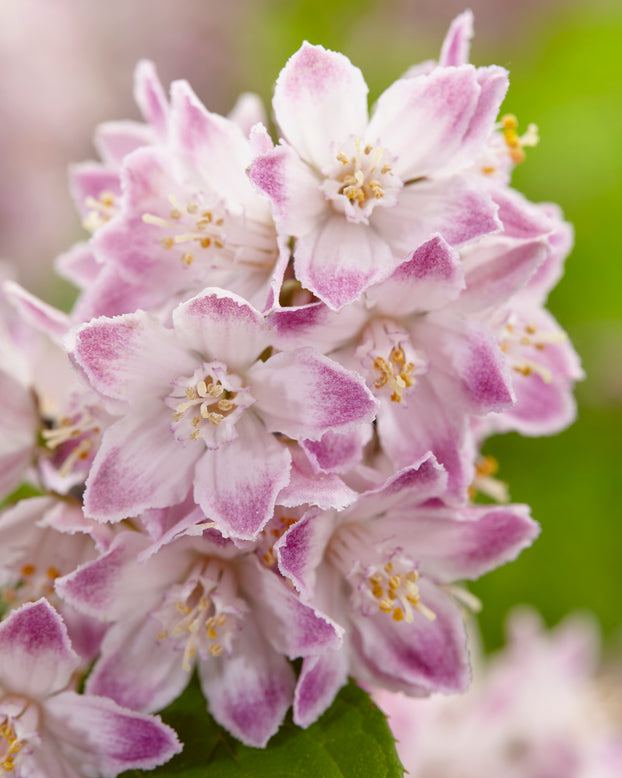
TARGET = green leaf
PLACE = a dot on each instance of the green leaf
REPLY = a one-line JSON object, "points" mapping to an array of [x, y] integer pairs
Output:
{"points": [[351, 739], [23, 492]]}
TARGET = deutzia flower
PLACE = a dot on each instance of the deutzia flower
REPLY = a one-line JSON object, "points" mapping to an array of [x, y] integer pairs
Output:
{"points": [[198, 602], [384, 568], [198, 409], [358, 194], [49, 731]]}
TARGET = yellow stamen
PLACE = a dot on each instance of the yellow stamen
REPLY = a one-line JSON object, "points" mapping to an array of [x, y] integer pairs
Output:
{"points": [[515, 142]]}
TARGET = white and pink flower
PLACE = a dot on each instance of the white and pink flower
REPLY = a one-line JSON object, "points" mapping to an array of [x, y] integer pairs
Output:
{"points": [[200, 396], [47, 730], [384, 569], [360, 193], [198, 602]]}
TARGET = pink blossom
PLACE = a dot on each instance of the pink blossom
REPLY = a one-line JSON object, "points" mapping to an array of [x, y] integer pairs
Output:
{"points": [[534, 710], [41, 539], [49, 731], [383, 569], [198, 601], [171, 209], [199, 396], [359, 194]]}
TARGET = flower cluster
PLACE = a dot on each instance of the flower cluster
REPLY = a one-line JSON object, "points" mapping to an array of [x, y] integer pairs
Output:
{"points": [[541, 707], [256, 437]]}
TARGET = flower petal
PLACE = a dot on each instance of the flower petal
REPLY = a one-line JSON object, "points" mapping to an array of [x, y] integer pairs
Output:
{"points": [[293, 628], [91, 179], [502, 269], [324, 489], [18, 424], [418, 658], [305, 394], [116, 585], [18, 528], [103, 739], [339, 260], [320, 679], [150, 97], [301, 549], [449, 113], [455, 49], [249, 691], [292, 186], [454, 544], [36, 658], [222, 326], [467, 363], [115, 140], [237, 484], [133, 468], [409, 486], [39, 314], [429, 425], [457, 208], [320, 100], [429, 278], [338, 452], [212, 147], [130, 357], [136, 669]]}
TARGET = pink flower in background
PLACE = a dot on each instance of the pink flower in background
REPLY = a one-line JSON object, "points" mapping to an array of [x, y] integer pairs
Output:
{"points": [[53, 98], [535, 710], [41, 539]]}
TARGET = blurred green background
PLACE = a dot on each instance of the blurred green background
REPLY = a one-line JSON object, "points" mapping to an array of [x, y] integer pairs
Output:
{"points": [[566, 76]]}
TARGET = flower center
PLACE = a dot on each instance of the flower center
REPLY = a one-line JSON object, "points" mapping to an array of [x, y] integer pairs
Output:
{"points": [[204, 401], [19, 720], [395, 373], [382, 580], [73, 438], [101, 210], [397, 592], [518, 340], [190, 226], [9, 745], [510, 143], [31, 584], [390, 360], [484, 482], [204, 613], [362, 178], [516, 143]]}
